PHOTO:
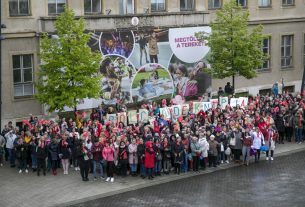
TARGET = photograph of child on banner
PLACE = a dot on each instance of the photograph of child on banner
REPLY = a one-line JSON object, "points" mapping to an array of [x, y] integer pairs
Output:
{"points": [[189, 78], [152, 81], [117, 43], [116, 83]]}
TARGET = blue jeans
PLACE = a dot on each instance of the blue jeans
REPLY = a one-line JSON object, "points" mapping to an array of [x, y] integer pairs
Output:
{"points": [[22, 164], [298, 135], [157, 166], [11, 155], [143, 170], [100, 165], [246, 154], [185, 163], [34, 161], [133, 168]]}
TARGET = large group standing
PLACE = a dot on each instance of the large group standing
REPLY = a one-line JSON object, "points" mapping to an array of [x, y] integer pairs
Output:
{"points": [[176, 145]]}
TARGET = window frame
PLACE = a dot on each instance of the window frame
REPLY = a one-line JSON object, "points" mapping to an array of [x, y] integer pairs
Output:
{"points": [[188, 9], [56, 7], [124, 7], [213, 8], [286, 4], [91, 5], [262, 6], [284, 56], [158, 10], [268, 61], [243, 6], [20, 15], [22, 82]]}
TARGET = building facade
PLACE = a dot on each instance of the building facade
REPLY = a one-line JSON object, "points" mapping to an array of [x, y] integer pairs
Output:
{"points": [[25, 20]]}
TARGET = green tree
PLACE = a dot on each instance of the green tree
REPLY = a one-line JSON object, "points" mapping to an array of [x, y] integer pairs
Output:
{"points": [[69, 69], [236, 49]]}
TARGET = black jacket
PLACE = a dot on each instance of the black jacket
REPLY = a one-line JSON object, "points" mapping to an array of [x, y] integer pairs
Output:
{"points": [[22, 151], [141, 152], [64, 150], [179, 152], [41, 153], [279, 123]]}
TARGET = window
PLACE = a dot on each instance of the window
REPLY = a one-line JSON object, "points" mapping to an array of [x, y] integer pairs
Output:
{"points": [[23, 75], [242, 3], [92, 6], [19, 7], [287, 2], [264, 3], [289, 89], [286, 51], [266, 50], [56, 6], [187, 5], [157, 5], [126, 7], [214, 4], [265, 92]]}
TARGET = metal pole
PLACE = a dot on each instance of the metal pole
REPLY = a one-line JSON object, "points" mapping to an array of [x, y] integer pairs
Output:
{"points": [[1, 38], [1, 67], [303, 81]]}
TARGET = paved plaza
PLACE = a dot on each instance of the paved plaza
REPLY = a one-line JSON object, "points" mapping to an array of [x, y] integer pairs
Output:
{"points": [[65, 190], [277, 184]]}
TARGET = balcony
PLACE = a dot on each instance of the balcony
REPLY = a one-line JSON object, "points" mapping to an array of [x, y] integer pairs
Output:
{"points": [[160, 20]]}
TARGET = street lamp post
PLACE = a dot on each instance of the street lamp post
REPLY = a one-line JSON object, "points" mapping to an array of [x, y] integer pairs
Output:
{"points": [[303, 81], [1, 38]]}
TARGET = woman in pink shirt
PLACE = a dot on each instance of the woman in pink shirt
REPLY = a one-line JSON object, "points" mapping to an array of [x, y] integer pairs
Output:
{"points": [[108, 155]]}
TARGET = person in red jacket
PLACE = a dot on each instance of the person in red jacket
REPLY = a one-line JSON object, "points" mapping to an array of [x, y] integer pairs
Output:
{"points": [[149, 162], [262, 125], [97, 158]]}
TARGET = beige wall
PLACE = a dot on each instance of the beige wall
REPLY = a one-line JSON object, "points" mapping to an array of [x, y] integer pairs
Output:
{"points": [[11, 107]]}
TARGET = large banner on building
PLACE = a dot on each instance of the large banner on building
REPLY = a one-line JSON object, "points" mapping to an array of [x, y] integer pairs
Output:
{"points": [[151, 64]]}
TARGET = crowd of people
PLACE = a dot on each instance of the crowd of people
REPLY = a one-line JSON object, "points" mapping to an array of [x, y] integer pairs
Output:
{"points": [[177, 145]]}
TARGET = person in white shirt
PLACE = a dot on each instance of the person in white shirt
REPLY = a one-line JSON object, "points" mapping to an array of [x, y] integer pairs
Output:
{"points": [[10, 139], [204, 147], [258, 141]]}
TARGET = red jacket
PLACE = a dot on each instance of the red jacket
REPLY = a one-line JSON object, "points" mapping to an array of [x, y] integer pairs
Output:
{"points": [[263, 128], [149, 161], [97, 152]]}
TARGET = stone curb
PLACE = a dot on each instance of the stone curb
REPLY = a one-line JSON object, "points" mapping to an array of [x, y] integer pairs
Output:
{"points": [[166, 180]]}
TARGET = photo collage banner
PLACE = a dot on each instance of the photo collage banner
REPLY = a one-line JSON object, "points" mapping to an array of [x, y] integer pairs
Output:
{"points": [[150, 65]]}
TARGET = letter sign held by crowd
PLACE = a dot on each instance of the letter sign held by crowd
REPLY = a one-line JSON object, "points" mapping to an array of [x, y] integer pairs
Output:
{"points": [[133, 117], [143, 115], [112, 118], [165, 112], [177, 110]]}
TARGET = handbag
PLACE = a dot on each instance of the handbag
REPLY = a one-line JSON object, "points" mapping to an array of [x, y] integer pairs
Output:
{"points": [[264, 148], [252, 151], [228, 151]]}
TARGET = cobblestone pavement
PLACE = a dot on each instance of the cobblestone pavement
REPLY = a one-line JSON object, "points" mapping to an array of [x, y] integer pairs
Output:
{"points": [[28, 190], [270, 183]]}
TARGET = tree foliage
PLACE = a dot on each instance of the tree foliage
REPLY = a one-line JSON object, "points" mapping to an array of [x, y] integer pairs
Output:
{"points": [[236, 49], [69, 69]]}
